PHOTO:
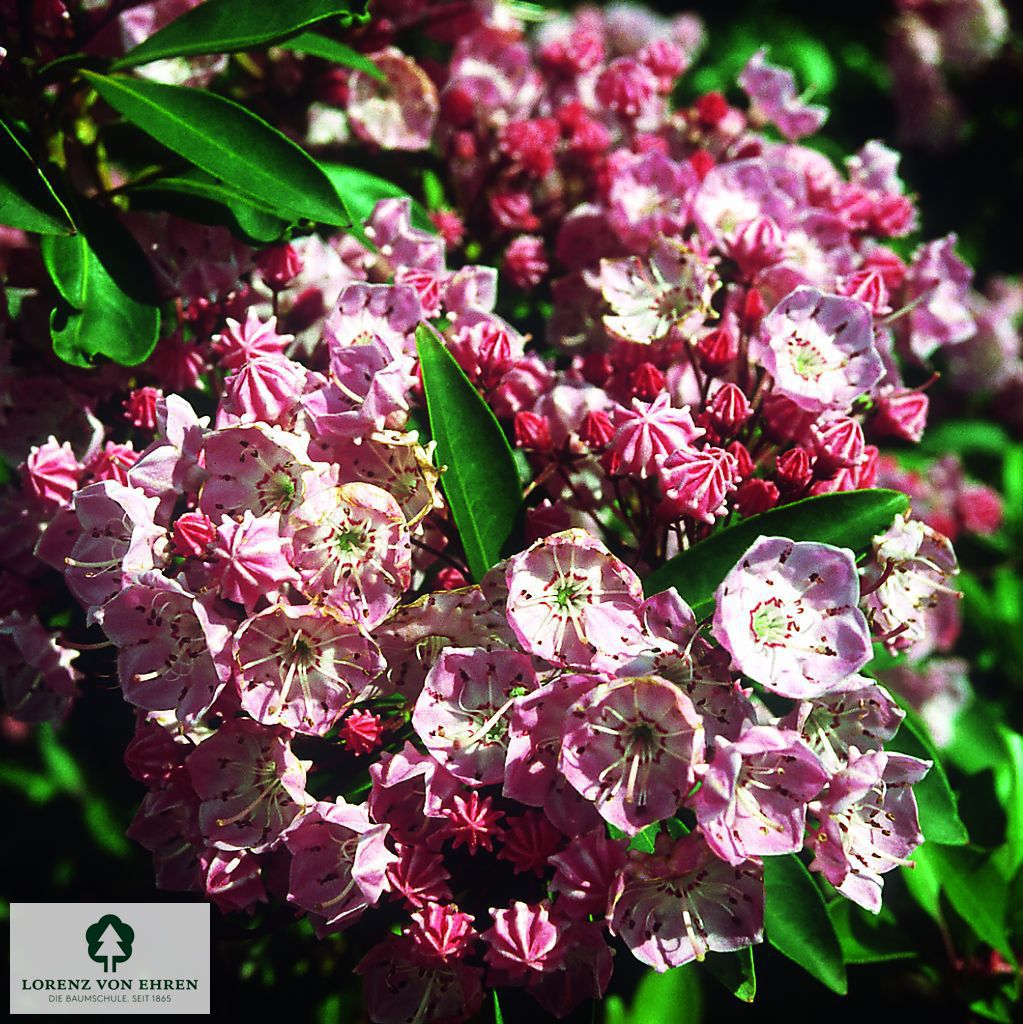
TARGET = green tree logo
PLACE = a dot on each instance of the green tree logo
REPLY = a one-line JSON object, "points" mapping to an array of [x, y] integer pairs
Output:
{"points": [[109, 942]]}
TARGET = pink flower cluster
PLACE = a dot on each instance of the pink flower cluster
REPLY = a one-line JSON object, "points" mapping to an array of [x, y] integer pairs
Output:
{"points": [[526, 771]]}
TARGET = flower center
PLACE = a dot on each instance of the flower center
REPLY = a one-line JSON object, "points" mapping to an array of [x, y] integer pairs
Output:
{"points": [[770, 624]]}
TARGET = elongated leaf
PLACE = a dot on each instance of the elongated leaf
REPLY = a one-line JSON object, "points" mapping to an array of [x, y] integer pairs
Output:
{"points": [[849, 519], [670, 998], [868, 938], [363, 190], [229, 142], [252, 221], [797, 922], [975, 887], [480, 481], [316, 45], [27, 200], [110, 303], [224, 26], [935, 800], [735, 971]]}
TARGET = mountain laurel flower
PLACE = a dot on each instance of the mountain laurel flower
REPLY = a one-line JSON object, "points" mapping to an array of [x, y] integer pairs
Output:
{"points": [[819, 349], [868, 823], [570, 601], [631, 747], [523, 939], [909, 574], [251, 559], [682, 901], [788, 615], [752, 802], [52, 473], [773, 99], [192, 535]]}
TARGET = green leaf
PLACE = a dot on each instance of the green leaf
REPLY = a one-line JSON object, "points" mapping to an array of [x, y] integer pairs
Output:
{"points": [[252, 221], [975, 888], [868, 938], [110, 303], [229, 142], [935, 801], [670, 998], [363, 190], [735, 971], [962, 436], [797, 922], [849, 519], [225, 26], [645, 840], [316, 45], [27, 200], [498, 1015], [480, 482]]}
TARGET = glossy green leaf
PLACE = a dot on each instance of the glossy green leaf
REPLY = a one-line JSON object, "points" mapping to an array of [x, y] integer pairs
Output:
{"points": [[670, 998], [480, 480], [225, 26], [110, 303], [252, 221], [868, 938], [363, 190], [964, 436], [975, 888], [735, 971], [935, 800], [797, 921], [316, 45], [228, 142], [27, 200], [849, 519]]}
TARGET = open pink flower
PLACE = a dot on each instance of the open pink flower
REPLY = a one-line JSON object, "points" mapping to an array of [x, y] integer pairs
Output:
{"points": [[868, 823], [398, 113], [631, 746], [339, 863], [753, 799], [570, 601], [462, 714], [680, 902], [302, 667], [819, 349], [251, 785], [772, 93], [788, 615]]}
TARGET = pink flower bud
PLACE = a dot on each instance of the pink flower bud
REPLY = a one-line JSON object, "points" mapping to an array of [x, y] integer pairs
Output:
{"points": [[51, 472], [901, 414], [525, 261], [192, 534], [112, 462], [646, 382], [717, 349], [729, 409], [697, 481], [450, 578], [450, 226], [533, 432], [279, 265], [838, 444], [980, 509], [753, 310], [626, 86], [793, 470], [140, 407], [711, 108], [596, 430], [757, 244], [868, 286], [755, 496], [361, 732], [596, 367], [442, 933], [702, 163], [744, 464], [888, 264]]}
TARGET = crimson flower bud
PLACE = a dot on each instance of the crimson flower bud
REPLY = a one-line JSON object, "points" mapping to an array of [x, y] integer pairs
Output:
{"points": [[901, 414], [743, 460], [711, 108], [868, 286], [729, 409], [839, 445], [757, 244], [192, 534], [755, 496], [702, 162], [533, 432], [793, 470], [646, 382], [279, 265], [753, 310], [717, 349], [596, 430]]}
